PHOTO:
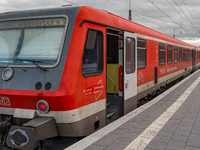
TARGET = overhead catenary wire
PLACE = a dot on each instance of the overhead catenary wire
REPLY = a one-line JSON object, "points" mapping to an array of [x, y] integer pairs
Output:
{"points": [[151, 22], [189, 11], [174, 22], [175, 10], [159, 19], [116, 5], [70, 2], [170, 18], [11, 6], [185, 14], [147, 15]]}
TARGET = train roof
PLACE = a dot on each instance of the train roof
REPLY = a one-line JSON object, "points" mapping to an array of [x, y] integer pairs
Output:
{"points": [[121, 23], [97, 16]]}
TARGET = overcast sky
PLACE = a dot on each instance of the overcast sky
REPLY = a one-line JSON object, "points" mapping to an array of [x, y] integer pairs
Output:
{"points": [[167, 16]]}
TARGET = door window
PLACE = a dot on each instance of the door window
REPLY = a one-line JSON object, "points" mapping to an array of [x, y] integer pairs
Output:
{"points": [[130, 55]]}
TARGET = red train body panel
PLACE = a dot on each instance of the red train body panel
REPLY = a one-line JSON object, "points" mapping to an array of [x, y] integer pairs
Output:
{"points": [[104, 66]]}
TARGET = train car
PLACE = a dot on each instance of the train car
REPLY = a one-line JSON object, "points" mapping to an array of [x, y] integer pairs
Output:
{"points": [[67, 72]]}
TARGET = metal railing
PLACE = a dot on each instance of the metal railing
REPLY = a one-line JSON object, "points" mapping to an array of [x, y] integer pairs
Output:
{"points": [[114, 86]]}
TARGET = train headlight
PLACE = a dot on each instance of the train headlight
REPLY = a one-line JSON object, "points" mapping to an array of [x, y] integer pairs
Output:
{"points": [[43, 106], [7, 74]]}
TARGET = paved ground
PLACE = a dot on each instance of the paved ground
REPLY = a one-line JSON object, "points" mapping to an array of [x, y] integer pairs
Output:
{"points": [[169, 122]]}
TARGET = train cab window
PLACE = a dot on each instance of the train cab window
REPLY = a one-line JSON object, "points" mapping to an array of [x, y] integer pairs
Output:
{"points": [[35, 42], [130, 55], [175, 54], [161, 54], [180, 54], [187, 55], [184, 55], [169, 54], [93, 53], [141, 53]]}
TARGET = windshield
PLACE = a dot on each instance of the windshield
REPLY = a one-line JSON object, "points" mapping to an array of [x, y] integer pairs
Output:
{"points": [[37, 40]]}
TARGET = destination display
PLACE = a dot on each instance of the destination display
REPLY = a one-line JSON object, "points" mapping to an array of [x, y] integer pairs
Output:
{"points": [[50, 22]]}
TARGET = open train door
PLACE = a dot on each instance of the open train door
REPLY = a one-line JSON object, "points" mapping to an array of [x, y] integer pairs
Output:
{"points": [[194, 60], [130, 72]]}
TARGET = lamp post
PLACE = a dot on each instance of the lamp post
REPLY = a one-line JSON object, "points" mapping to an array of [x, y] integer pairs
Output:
{"points": [[130, 16]]}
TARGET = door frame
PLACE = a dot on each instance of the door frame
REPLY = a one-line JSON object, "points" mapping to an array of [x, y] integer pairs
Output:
{"points": [[193, 60]]}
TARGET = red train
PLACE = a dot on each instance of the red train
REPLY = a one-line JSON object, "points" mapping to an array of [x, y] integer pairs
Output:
{"points": [[69, 71]]}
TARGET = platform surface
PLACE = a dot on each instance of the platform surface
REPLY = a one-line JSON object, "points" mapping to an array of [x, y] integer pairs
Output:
{"points": [[171, 121]]}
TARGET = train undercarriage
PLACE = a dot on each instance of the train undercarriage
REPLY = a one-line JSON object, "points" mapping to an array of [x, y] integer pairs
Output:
{"points": [[26, 134]]}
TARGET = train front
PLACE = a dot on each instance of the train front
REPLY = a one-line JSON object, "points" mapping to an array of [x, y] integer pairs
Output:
{"points": [[33, 53]]}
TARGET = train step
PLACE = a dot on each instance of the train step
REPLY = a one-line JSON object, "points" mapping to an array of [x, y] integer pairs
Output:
{"points": [[108, 104], [110, 114]]}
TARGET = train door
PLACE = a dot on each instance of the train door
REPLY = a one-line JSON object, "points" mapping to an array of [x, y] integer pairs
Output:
{"points": [[130, 72], [194, 60], [114, 70]]}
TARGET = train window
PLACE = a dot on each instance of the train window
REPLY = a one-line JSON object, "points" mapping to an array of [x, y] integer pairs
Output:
{"points": [[130, 55], [187, 55], [141, 53], [93, 53], [169, 54], [38, 40], [190, 55], [175, 54], [184, 55], [161, 54], [180, 54], [199, 55]]}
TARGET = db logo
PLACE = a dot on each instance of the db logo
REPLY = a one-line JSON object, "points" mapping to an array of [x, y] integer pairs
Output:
{"points": [[4, 101]]}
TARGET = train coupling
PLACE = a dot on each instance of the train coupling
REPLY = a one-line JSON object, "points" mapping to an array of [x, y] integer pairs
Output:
{"points": [[5, 124], [37, 129]]}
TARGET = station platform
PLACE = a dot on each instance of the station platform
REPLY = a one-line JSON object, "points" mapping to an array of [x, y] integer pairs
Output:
{"points": [[171, 121]]}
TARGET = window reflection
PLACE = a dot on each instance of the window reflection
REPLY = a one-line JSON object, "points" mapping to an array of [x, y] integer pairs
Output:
{"points": [[37, 44]]}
